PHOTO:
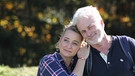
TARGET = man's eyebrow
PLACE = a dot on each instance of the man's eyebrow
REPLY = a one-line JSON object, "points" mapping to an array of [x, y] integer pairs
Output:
{"points": [[76, 41]]}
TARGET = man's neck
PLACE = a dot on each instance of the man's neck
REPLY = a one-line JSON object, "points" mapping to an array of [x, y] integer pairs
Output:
{"points": [[104, 45]]}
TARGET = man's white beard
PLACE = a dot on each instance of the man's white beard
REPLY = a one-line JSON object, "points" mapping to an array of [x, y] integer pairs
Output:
{"points": [[97, 40]]}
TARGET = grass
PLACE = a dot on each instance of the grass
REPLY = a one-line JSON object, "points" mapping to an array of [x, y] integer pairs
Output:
{"points": [[22, 71]]}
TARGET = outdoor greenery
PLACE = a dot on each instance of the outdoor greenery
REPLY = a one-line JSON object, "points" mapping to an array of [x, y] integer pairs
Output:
{"points": [[22, 71], [29, 29]]}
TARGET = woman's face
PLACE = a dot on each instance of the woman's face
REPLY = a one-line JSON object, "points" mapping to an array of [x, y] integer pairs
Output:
{"points": [[69, 43]]}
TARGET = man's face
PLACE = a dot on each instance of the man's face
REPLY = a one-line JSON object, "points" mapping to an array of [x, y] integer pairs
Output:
{"points": [[91, 29]]}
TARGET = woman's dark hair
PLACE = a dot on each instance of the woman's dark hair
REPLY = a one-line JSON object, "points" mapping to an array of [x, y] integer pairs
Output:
{"points": [[72, 28]]}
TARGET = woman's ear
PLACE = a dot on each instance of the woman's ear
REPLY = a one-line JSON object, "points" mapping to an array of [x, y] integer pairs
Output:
{"points": [[60, 39], [58, 44]]}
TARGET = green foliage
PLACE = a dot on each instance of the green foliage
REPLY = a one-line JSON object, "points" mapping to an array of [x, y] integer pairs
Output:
{"points": [[22, 71], [29, 29]]}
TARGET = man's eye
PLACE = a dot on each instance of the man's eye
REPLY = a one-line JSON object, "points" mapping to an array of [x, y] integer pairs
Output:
{"points": [[89, 27], [83, 32], [75, 43]]}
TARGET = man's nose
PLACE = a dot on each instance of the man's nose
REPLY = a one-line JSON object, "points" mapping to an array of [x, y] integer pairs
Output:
{"points": [[88, 33]]}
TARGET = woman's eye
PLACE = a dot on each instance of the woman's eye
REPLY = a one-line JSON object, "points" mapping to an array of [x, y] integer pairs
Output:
{"points": [[65, 40]]}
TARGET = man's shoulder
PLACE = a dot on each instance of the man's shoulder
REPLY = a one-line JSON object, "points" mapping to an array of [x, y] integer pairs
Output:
{"points": [[122, 37]]}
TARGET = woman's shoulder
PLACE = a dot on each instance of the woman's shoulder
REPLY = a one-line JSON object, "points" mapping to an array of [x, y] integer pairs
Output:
{"points": [[48, 58]]}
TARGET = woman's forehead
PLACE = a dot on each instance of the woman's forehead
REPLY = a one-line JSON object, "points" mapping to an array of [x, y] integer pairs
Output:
{"points": [[72, 35]]}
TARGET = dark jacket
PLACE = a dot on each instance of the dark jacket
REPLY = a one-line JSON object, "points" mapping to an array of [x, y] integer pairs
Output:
{"points": [[117, 62]]}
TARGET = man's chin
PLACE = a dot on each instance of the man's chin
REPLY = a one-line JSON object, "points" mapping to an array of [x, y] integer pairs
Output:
{"points": [[93, 42]]}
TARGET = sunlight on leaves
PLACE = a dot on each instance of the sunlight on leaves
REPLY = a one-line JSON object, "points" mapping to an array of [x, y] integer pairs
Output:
{"points": [[9, 5], [125, 19], [40, 15], [22, 51], [3, 22], [20, 29], [16, 23], [27, 29], [23, 34], [103, 13], [54, 20], [48, 27], [30, 34], [66, 21], [48, 37], [21, 5]]}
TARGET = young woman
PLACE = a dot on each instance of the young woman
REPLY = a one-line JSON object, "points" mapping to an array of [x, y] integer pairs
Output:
{"points": [[65, 62]]}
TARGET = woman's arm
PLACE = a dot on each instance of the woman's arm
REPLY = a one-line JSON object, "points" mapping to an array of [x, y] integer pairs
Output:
{"points": [[82, 54]]}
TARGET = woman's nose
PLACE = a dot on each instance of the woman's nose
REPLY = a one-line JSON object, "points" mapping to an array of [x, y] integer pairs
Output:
{"points": [[69, 45]]}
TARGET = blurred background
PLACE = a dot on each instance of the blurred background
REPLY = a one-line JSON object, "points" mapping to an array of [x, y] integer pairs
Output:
{"points": [[29, 29]]}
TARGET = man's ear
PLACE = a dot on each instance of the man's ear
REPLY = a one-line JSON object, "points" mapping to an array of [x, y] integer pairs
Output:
{"points": [[102, 23]]}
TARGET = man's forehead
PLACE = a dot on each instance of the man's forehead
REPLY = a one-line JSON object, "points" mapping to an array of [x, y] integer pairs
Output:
{"points": [[84, 22]]}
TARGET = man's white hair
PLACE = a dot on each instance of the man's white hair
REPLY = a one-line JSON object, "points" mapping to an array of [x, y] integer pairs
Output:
{"points": [[86, 11]]}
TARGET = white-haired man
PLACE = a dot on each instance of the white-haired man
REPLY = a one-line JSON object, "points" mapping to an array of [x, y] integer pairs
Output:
{"points": [[110, 55]]}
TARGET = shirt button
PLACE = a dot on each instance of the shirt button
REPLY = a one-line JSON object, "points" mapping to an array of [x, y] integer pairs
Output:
{"points": [[108, 62], [121, 60]]}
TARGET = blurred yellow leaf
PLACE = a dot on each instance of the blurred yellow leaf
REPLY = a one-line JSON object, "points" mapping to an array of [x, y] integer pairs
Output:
{"points": [[3, 22], [129, 24], [48, 37], [33, 28], [16, 23], [101, 9], [22, 5], [66, 21], [7, 17], [27, 29], [9, 5], [54, 20], [22, 51], [23, 34], [30, 34], [103, 13], [48, 27], [20, 29], [14, 17], [10, 27], [34, 35], [44, 31], [40, 15], [125, 19]]}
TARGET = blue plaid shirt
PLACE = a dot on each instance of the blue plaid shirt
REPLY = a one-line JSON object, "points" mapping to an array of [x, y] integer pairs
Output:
{"points": [[53, 65]]}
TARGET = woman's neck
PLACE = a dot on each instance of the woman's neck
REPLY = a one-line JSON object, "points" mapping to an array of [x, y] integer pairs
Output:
{"points": [[67, 60]]}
